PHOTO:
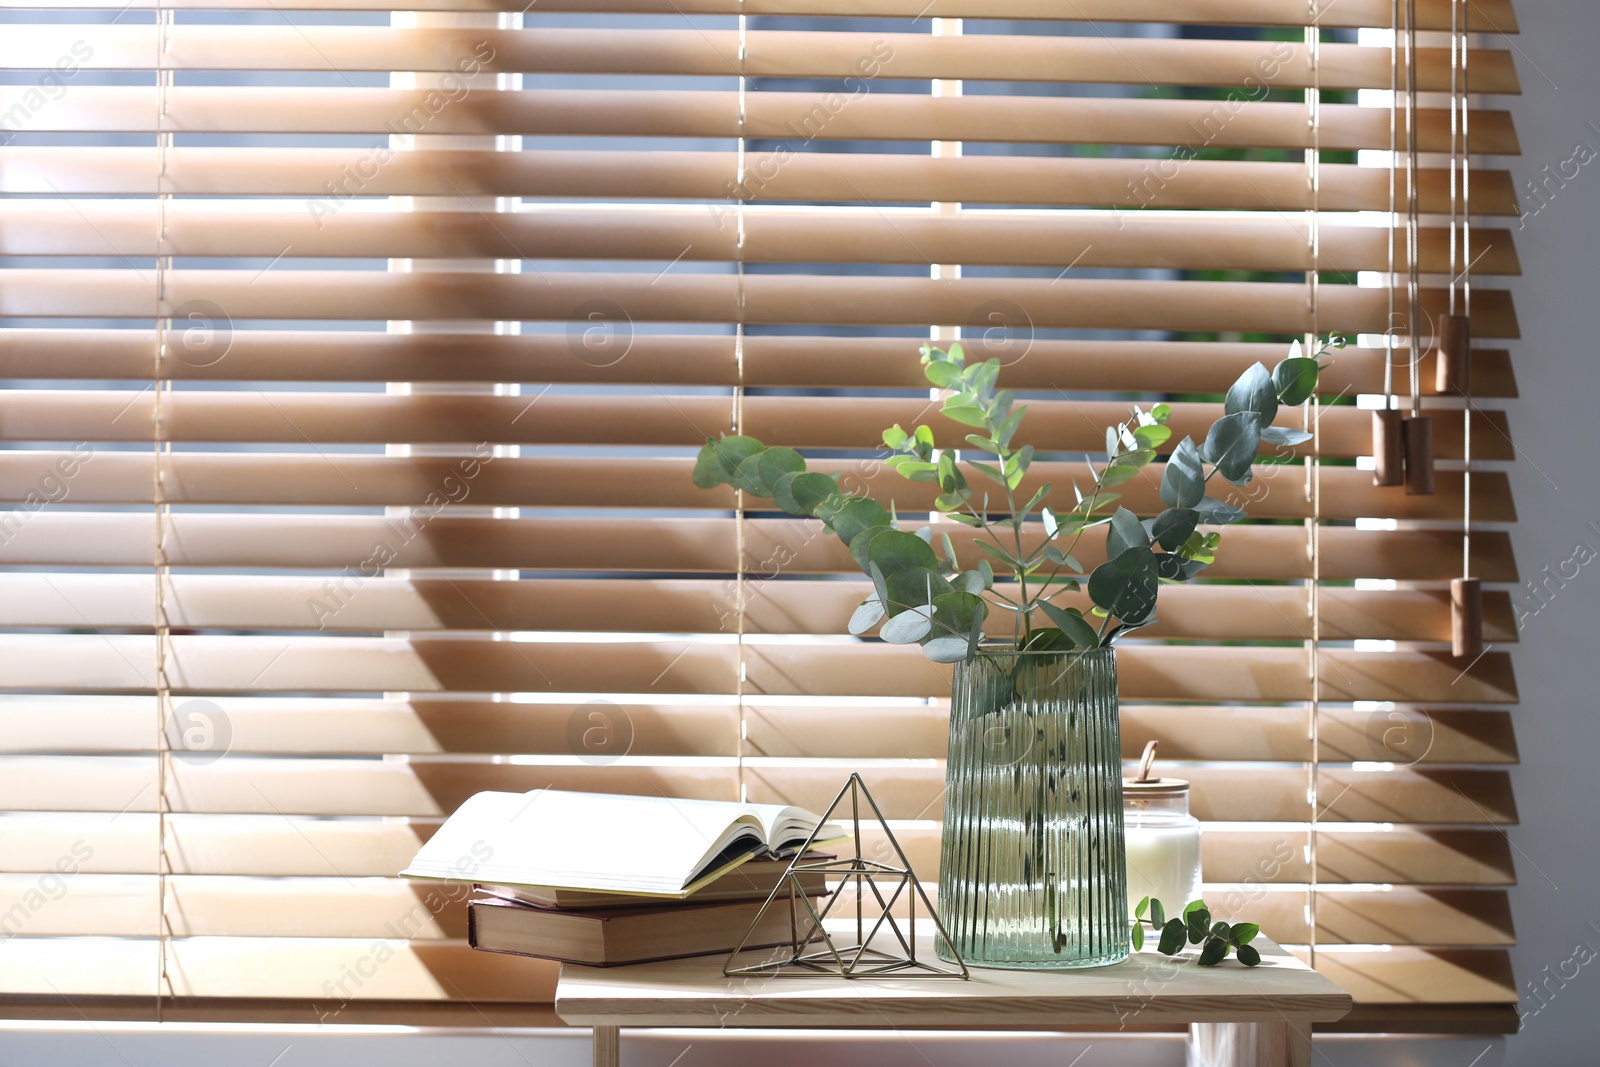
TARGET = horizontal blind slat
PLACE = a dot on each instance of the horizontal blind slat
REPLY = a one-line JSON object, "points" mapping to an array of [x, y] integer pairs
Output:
{"points": [[858, 177], [794, 546]]}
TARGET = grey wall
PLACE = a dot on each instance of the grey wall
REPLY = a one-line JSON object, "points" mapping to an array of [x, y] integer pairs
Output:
{"points": [[1557, 431]]}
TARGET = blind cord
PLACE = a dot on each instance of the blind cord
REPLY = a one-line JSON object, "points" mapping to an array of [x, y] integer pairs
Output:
{"points": [[1466, 292], [1413, 218], [162, 515], [1394, 152], [1313, 465], [741, 576]]}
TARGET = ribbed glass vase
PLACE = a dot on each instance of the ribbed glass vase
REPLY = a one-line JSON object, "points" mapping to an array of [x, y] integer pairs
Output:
{"points": [[1031, 873]]}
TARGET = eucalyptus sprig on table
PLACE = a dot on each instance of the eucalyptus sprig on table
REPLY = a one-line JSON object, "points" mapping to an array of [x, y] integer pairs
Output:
{"points": [[942, 604], [1194, 927]]}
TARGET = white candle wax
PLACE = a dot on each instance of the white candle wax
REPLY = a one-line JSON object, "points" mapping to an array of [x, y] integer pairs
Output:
{"points": [[1164, 863]]}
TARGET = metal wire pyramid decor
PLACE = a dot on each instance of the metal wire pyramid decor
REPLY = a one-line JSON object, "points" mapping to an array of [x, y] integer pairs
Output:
{"points": [[879, 948]]}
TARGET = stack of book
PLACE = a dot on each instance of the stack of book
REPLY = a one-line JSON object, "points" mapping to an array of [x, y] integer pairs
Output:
{"points": [[601, 879]]}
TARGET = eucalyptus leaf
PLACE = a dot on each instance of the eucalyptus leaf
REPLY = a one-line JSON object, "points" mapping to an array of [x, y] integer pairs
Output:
{"points": [[1173, 527], [1126, 586], [1158, 915], [1073, 624], [1199, 923], [914, 588], [1140, 908], [1295, 380], [717, 461], [1214, 512], [1231, 445], [1183, 479], [966, 415], [1213, 952], [1253, 392], [1283, 436], [895, 550], [1244, 933], [1249, 956], [805, 492], [776, 462], [1124, 533], [861, 542], [1173, 936], [909, 626], [868, 614], [1136, 935], [947, 649], [941, 373], [860, 514], [1152, 436]]}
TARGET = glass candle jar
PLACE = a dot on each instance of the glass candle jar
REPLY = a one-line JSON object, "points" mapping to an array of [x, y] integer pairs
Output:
{"points": [[1163, 843]]}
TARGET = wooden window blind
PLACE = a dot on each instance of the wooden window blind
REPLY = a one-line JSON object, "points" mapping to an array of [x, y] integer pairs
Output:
{"points": [[357, 360]]}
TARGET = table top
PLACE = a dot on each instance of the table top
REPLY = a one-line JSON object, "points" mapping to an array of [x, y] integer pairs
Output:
{"points": [[1147, 988]]}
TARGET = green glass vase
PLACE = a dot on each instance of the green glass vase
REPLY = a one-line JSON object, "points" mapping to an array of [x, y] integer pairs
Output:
{"points": [[1031, 870]]}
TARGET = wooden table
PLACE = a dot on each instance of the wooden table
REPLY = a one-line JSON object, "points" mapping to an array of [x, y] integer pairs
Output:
{"points": [[1237, 1016]]}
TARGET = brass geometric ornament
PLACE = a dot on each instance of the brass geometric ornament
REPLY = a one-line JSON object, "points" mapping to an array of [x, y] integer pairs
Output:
{"points": [[879, 947]]}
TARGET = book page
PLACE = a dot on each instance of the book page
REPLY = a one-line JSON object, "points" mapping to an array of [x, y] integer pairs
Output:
{"points": [[585, 840]]}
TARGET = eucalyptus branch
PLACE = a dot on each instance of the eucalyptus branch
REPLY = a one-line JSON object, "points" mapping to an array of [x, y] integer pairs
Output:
{"points": [[1194, 927], [919, 598]]}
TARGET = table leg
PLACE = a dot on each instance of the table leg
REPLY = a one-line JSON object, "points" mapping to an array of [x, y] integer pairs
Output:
{"points": [[607, 1047], [1273, 1044]]}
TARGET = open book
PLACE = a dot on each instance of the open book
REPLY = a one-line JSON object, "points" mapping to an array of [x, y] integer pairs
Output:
{"points": [[651, 846]]}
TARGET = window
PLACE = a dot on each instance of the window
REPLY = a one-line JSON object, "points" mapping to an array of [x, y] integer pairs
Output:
{"points": [[358, 361]]}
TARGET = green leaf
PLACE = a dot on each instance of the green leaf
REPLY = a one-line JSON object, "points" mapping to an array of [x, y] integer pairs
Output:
{"points": [[1062, 559], [1253, 392], [1009, 427], [917, 587], [1152, 437], [1214, 512], [1173, 527], [989, 470], [1231, 445], [987, 572], [969, 582], [1199, 922], [861, 542], [941, 373], [1114, 476], [908, 627], [1294, 380], [946, 648], [965, 520], [949, 549], [860, 514], [1172, 938], [957, 613], [1002, 554], [804, 493], [1158, 916], [1126, 586], [1193, 906], [1283, 436], [1244, 933], [1124, 533], [718, 460], [1140, 908], [894, 551], [895, 437], [985, 443], [1161, 413], [772, 465], [913, 469], [1136, 935], [1249, 956], [1221, 930], [1183, 480], [1073, 624], [967, 414], [868, 614], [1213, 952]]}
